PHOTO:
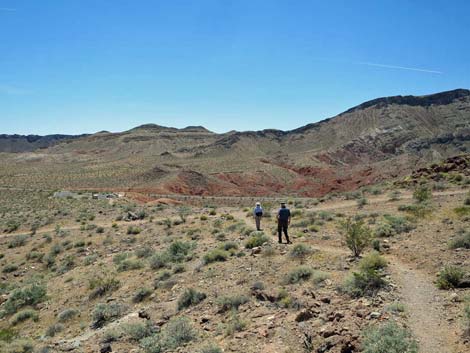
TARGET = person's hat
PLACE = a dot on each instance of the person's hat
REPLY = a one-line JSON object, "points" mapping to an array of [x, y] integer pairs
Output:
{"points": [[258, 204], [283, 202]]}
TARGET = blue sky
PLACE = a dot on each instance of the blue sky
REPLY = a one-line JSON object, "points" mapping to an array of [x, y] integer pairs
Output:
{"points": [[81, 66]]}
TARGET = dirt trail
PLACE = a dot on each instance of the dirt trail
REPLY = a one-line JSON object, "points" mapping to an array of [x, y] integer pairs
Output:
{"points": [[424, 307]]}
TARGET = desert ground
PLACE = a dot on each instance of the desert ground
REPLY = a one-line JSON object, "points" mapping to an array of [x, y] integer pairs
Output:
{"points": [[122, 275]]}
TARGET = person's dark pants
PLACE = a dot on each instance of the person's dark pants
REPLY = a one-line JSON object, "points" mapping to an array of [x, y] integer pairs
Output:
{"points": [[282, 227]]}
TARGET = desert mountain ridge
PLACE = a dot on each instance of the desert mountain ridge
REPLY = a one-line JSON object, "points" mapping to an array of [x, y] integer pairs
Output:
{"points": [[377, 140]]}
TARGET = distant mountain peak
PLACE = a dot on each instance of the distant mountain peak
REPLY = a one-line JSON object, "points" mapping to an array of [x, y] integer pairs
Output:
{"points": [[441, 98]]}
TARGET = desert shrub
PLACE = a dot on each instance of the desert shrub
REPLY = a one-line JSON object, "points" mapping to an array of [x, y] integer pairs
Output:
{"points": [[138, 330], [466, 320], [203, 218], [67, 315], [143, 252], [388, 338], [449, 277], [163, 275], [102, 285], [67, 263], [384, 230], [129, 265], [7, 335], [178, 268], [134, 230], [104, 313], [257, 286], [319, 277], [256, 239], [141, 294], [399, 224], [301, 273], [210, 349], [176, 333], [230, 245], [24, 315], [395, 307], [419, 210], [372, 261], [159, 260], [19, 345], [231, 302], [462, 240], [422, 194], [54, 329], [352, 195], [215, 256], [21, 297], [8, 268], [300, 251], [361, 202], [357, 235], [234, 325], [178, 250], [12, 225], [18, 240], [35, 255], [394, 195], [189, 298], [118, 258], [363, 283], [90, 259], [462, 211]]}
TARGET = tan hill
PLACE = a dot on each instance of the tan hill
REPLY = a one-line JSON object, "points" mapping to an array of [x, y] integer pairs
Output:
{"points": [[380, 139]]}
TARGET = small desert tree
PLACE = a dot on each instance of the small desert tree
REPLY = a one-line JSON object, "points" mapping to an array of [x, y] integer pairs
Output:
{"points": [[184, 212], [357, 235], [422, 194]]}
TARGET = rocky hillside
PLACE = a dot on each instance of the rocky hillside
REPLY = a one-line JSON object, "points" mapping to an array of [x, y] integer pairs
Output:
{"points": [[377, 140], [27, 143]]}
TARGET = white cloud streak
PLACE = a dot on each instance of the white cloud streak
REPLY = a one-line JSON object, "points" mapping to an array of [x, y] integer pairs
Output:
{"points": [[400, 67]]}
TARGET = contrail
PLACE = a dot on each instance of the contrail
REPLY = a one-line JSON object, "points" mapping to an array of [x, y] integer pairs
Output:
{"points": [[400, 67]]}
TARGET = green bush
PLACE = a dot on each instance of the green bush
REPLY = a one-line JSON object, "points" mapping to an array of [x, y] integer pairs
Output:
{"points": [[189, 298], [357, 235], [461, 241], [26, 296], [450, 277], [129, 264], [24, 315], [67, 315], [134, 230], [178, 250], [462, 211], [301, 273], [384, 230], [229, 245], [138, 330], [388, 338], [144, 252], [8, 268], [102, 285], [319, 277], [215, 256], [422, 194], [399, 224], [210, 349], [54, 329], [177, 332], [19, 345], [104, 313], [141, 294], [300, 251], [372, 261], [363, 283], [18, 240], [159, 260], [234, 325], [231, 302], [256, 239], [466, 320]]}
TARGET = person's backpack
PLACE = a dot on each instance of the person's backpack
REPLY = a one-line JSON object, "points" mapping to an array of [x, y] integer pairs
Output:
{"points": [[259, 213]]}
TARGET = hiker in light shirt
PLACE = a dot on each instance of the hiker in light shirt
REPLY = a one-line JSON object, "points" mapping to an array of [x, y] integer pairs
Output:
{"points": [[258, 214]]}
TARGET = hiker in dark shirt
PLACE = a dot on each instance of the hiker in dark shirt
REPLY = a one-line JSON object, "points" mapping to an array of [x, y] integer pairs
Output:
{"points": [[283, 221]]}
